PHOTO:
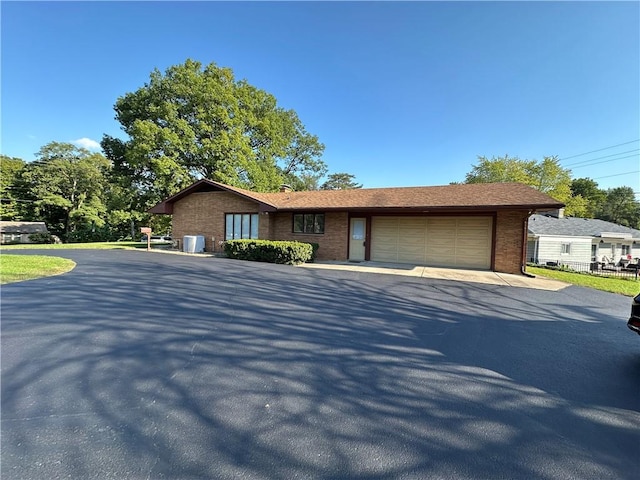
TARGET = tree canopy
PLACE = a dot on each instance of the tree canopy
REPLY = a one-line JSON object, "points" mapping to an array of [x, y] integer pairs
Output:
{"points": [[594, 197], [582, 196], [547, 175], [620, 206], [66, 187], [340, 181], [10, 201], [193, 122]]}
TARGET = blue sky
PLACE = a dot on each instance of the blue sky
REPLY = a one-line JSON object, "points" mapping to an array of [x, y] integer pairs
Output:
{"points": [[401, 93]]}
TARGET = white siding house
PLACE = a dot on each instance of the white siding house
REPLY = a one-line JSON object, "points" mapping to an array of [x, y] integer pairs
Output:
{"points": [[583, 240], [18, 232], [552, 248]]}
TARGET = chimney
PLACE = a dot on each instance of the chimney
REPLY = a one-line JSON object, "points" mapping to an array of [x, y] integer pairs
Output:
{"points": [[559, 213], [285, 188]]}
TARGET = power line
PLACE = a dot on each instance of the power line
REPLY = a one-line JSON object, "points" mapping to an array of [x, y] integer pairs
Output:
{"points": [[604, 161], [617, 175], [604, 156], [599, 150]]}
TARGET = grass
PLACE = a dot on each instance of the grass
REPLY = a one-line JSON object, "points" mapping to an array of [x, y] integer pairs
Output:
{"points": [[18, 268], [629, 287]]}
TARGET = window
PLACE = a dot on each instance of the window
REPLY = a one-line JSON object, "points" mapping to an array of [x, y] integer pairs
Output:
{"points": [[308, 223], [565, 249], [240, 225], [626, 250]]}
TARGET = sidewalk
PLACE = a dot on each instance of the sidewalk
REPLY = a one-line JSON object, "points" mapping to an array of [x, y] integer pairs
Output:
{"points": [[474, 276]]}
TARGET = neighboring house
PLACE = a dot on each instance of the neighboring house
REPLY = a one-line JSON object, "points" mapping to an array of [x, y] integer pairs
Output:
{"points": [[479, 226], [18, 232], [555, 238]]}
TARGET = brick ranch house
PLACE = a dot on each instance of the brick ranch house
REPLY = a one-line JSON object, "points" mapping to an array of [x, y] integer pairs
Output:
{"points": [[479, 226]]}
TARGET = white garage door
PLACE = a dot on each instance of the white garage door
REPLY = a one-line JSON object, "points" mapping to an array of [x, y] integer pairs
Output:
{"points": [[438, 241]]}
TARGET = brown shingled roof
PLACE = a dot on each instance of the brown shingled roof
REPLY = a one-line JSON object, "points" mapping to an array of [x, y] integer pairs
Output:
{"points": [[450, 196], [478, 196]]}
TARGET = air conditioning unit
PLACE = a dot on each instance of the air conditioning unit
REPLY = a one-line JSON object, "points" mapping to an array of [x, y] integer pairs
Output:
{"points": [[193, 243]]}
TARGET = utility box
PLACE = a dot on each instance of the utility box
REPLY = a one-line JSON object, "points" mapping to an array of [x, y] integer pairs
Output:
{"points": [[193, 243]]}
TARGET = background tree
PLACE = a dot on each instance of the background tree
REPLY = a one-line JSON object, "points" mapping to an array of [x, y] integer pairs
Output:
{"points": [[620, 206], [594, 197], [193, 122], [10, 201], [66, 186], [547, 176], [340, 181]]}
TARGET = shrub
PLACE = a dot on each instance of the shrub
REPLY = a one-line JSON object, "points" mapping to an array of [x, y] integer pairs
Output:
{"points": [[290, 253], [315, 247], [42, 237]]}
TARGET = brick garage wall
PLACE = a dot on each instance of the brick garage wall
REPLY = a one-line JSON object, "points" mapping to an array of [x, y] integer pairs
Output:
{"points": [[509, 241], [203, 214], [333, 243]]}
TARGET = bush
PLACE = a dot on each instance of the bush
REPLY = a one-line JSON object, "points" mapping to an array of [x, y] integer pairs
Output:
{"points": [[315, 247], [42, 237], [290, 253]]}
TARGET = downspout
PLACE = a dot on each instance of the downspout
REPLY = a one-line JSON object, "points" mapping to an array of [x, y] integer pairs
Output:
{"points": [[525, 231]]}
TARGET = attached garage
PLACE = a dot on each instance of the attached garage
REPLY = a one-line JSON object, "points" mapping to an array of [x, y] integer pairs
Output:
{"points": [[463, 242]]}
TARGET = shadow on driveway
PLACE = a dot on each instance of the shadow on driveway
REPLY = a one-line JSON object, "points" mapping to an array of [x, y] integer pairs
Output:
{"points": [[140, 365]]}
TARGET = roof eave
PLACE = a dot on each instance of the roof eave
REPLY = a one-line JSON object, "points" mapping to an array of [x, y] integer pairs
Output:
{"points": [[424, 209]]}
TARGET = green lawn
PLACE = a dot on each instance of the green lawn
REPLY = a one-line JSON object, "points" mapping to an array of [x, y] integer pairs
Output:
{"points": [[629, 287], [17, 268]]}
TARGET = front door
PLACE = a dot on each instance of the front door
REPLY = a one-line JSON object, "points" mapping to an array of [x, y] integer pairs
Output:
{"points": [[357, 239]]}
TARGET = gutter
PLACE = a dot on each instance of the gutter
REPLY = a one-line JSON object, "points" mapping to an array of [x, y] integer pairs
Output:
{"points": [[525, 236]]}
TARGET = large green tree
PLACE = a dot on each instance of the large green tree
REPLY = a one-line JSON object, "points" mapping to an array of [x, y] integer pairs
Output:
{"points": [[11, 202], [547, 175], [66, 187], [594, 197], [620, 206], [192, 122]]}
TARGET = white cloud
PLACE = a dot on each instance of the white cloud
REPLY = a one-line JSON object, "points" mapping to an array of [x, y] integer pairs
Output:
{"points": [[87, 143]]}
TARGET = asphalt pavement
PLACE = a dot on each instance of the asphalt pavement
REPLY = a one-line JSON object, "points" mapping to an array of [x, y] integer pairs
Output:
{"points": [[137, 365]]}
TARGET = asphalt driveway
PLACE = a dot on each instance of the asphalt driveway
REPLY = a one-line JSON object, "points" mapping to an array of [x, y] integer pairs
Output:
{"points": [[138, 365]]}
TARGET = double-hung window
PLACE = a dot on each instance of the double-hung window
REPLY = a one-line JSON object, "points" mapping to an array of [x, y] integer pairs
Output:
{"points": [[308, 223], [565, 249], [241, 225]]}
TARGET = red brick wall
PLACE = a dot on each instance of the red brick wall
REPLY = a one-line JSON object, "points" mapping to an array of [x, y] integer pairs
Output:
{"points": [[333, 243], [203, 214], [509, 241]]}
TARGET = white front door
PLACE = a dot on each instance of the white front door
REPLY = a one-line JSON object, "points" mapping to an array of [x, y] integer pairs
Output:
{"points": [[357, 238]]}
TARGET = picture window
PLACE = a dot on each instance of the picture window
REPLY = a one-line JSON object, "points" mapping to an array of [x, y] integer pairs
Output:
{"points": [[241, 225]]}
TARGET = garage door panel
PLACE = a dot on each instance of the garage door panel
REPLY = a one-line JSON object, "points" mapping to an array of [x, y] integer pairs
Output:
{"points": [[440, 255], [472, 243], [411, 254], [386, 222], [467, 222], [437, 241], [471, 262]]}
